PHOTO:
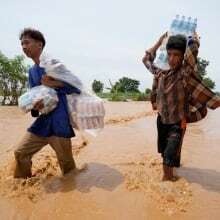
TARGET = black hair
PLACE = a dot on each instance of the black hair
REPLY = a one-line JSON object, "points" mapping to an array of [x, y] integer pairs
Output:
{"points": [[177, 42], [34, 34]]}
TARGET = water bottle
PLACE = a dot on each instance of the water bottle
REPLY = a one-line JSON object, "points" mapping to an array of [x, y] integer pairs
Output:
{"points": [[181, 25], [159, 61], [174, 25], [162, 60], [191, 29], [188, 26], [178, 27], [194, 25]]}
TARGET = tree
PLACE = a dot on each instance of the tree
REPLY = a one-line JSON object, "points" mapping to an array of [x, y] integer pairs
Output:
{"points": [[13, 79], [97, 86], [208, 82], [126, 84], [147, 91], [202, 64]]}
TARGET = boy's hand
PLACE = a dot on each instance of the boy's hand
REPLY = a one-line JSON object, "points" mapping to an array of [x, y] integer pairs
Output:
{"points": [[162, 38], [38, 105], [153, 49], [47, 81], [146, 57], [51, 82], [196, 38]]}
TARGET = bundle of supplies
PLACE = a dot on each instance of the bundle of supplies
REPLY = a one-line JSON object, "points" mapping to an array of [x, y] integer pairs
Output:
{"points": [[48, 95], [86, 110], [186, 27]]}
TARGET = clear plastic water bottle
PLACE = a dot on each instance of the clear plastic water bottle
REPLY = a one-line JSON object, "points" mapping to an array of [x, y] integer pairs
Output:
{"points": [[191, 29], [181, 25], [188, 25], [162, 60], [161, 57], [194, 25], [174, 25], [159, 61]]}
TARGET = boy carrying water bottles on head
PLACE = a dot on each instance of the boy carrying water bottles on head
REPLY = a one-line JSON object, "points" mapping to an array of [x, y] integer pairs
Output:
{"points": [[176, 91]]}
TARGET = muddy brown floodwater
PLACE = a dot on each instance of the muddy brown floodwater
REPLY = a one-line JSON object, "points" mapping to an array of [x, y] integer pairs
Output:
{"points": [[119, 171]]}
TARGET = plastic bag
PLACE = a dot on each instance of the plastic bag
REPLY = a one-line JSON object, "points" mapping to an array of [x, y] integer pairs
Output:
{"points": [[86, 111], [49, 96], [57, 70]]}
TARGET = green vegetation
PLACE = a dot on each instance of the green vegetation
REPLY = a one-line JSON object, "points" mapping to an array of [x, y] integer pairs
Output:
{"points": [[202, 65], [126, 89], [97, 86], [13, 79], [125, 96], [13, 82]]}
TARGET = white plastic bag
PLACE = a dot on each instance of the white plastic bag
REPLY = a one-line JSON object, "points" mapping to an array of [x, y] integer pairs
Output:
{"points": [[49, 96], [86, 110], [57, 70]]}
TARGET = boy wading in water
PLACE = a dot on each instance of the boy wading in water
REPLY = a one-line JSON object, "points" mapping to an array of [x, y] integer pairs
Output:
{"points": [[53, 128], [179, 96]]}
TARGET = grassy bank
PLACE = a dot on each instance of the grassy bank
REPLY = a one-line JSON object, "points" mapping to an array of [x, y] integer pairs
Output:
{"points": [[125, 96]]}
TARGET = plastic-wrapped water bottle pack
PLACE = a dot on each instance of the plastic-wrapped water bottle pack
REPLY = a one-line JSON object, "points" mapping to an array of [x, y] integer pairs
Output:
{"points": [[179, 25], [47, 95], [86, 111]]}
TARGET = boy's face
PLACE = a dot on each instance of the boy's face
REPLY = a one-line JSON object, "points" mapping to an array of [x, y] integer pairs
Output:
{"points": [[175, 58], [31, 47]]}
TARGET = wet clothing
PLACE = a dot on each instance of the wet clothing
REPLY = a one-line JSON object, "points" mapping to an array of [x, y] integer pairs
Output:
{"points": [[57, 122], [169, 142]]}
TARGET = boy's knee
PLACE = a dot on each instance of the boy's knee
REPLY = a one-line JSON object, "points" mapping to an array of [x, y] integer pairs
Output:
{"points": [[18, 154]]}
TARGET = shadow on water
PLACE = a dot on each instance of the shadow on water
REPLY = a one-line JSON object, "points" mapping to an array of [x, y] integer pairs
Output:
{"points": [[95, 175], [208, 179]]}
